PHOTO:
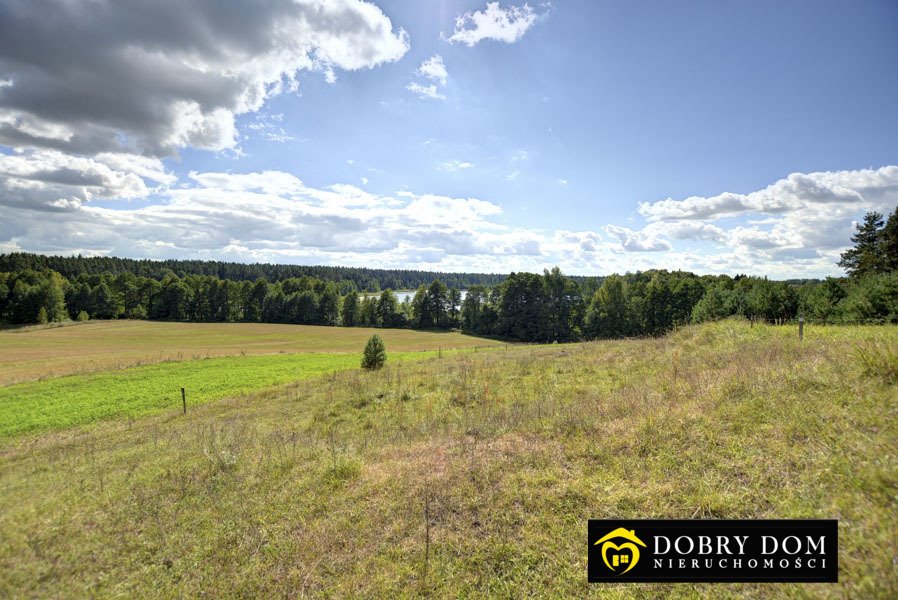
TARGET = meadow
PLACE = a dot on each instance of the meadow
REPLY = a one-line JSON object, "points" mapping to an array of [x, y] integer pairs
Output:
{"points": [[469, 475], [31, 353], [132, 392]]}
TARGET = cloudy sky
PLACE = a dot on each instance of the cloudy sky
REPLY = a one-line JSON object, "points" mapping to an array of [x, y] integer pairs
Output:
{"points": [[601, 136]]}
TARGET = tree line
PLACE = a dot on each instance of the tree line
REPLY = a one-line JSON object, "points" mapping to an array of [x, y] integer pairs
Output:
{"points": [[522, 306], [347, 278], [525, 307]]}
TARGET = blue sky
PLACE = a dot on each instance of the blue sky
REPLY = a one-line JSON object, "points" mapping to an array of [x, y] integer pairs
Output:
{"points": [[598, 136]]}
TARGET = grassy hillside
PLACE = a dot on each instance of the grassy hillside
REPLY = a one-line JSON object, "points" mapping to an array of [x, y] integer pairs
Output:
{"points": [[470, 475], [37, 353]]}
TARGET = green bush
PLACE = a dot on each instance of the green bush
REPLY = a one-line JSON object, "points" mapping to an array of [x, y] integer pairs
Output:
{"points": [[375, 354], [82, 316], [872, 299]]}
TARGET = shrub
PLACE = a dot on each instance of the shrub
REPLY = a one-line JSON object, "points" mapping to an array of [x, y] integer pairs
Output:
{"points": [[82, 316], [42, 316], [137, 312], [375, 354]]}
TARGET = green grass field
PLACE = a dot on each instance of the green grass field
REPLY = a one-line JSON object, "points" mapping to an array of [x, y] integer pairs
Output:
{"points": [[37, 353], [470, 475], [136, 391]]}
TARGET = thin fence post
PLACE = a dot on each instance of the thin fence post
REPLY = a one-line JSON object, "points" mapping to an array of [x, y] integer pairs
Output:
{"points": [[184, 400], [426, 533]]}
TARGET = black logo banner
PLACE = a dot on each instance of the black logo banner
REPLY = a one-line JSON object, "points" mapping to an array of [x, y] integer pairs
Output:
{"points": [[802, 550]]}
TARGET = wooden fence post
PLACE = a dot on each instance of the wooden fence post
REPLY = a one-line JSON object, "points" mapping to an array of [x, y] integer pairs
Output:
{"points": [[426, 532], [184, 400]]}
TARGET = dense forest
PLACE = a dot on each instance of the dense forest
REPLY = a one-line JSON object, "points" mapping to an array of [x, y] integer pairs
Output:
{"points": [[520, 306], [347, 278]]}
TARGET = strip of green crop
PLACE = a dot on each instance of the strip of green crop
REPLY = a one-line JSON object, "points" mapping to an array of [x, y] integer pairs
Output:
{"points": [[74, 400]]}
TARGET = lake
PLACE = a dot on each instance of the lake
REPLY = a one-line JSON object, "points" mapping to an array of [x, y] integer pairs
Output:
{"points": [[403, 294]]}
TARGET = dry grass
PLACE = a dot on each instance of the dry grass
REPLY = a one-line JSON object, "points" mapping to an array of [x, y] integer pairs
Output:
{"points": [[469, 476], [41, 352]]}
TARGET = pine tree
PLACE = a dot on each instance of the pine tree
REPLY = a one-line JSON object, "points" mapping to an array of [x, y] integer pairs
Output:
{"points": [[890, 243], [472, 310], [329, 305], [387, 310], [866, 256], [375, 354], [454, 306], [105, 302], [437, 303], [350, 309]]}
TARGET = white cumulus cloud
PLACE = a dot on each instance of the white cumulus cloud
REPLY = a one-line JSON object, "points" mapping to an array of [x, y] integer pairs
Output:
{"points": [[794, 227], [269, 216], [637, 241], [130, 205], [154, 77], [434, 69], [49, 179], [425, 91], [798, 191], [493, 23]]}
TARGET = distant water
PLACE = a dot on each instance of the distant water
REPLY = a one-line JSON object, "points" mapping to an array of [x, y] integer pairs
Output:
{"points": [[403, 294]]}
